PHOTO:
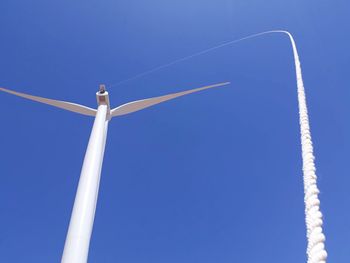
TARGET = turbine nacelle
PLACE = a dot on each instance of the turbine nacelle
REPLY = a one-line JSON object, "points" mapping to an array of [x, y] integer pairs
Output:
{"points": [[103, 99]]}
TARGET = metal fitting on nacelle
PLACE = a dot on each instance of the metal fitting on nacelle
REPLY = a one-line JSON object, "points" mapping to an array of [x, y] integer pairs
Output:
{"points": [[102, 88]]}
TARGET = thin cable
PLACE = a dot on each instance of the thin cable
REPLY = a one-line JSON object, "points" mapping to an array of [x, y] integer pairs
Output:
{"points": [[185, 58]]}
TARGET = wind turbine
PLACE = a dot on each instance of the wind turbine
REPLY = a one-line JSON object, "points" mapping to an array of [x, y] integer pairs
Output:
{"points": [[76, 247]]}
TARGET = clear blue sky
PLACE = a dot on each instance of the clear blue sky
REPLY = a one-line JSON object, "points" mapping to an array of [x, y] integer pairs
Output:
{"points": [[212, 177]]}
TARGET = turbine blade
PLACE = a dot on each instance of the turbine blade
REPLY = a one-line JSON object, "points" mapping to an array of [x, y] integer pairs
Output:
{"points": [[145, 103], [56, 103]]}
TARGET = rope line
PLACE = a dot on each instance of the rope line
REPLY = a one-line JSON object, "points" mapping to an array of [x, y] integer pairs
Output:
{"points": [[316, 252]]}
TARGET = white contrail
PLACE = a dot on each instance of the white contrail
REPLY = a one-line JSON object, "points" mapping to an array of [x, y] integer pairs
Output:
{"points": [[316, 248]]}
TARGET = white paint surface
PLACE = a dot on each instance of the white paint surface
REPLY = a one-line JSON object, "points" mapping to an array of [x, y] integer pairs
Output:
{"points": [[77, 243]]}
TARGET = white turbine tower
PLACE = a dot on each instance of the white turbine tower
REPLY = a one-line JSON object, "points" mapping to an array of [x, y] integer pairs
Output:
{"points": [[76, 247]]}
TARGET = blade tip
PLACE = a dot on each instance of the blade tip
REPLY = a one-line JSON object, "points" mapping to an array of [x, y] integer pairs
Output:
{"points": [[224, 83]]}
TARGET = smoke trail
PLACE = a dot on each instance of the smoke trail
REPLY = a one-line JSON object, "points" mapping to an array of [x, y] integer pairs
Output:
{"points": [[315, 249], [313, 217]]}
